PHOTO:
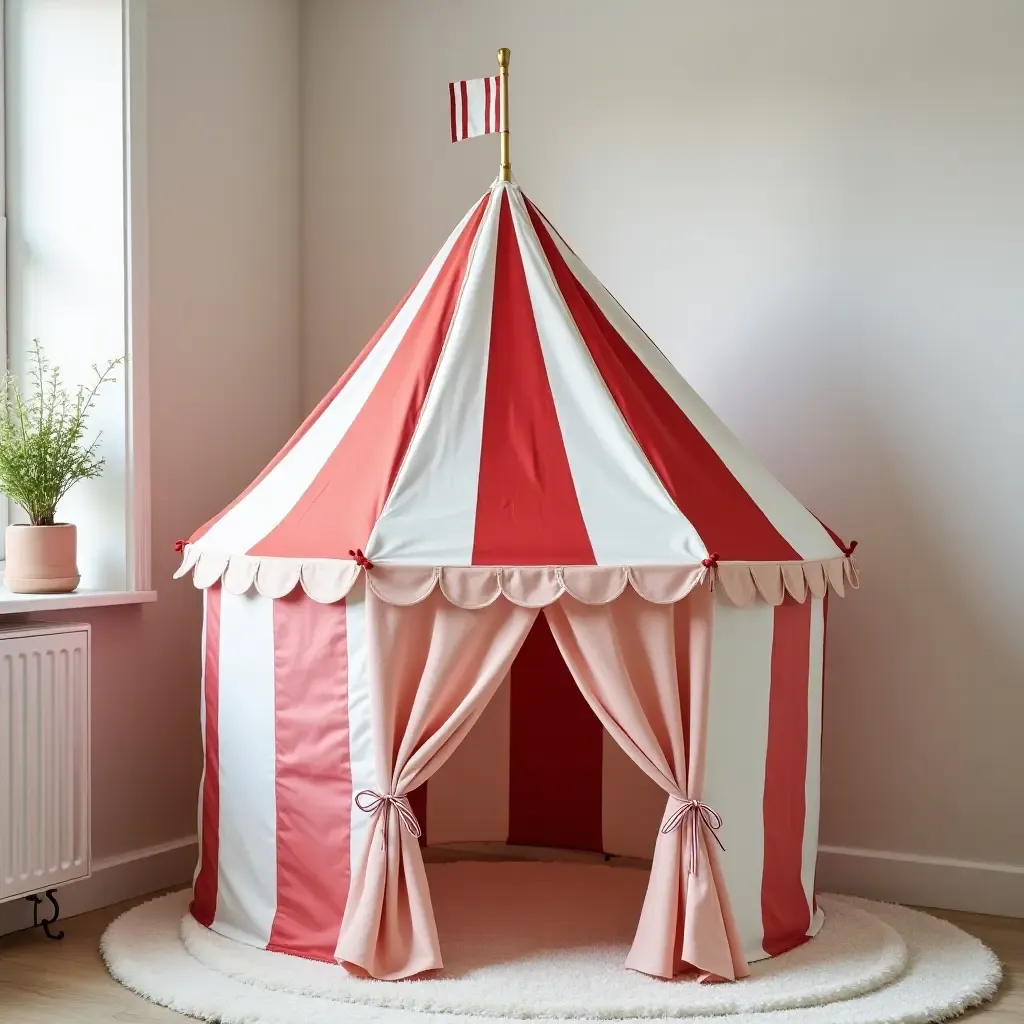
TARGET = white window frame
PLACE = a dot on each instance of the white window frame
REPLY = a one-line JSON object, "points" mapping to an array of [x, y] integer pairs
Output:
{"points": [[137, 409], [138, 550], [5, 507]]}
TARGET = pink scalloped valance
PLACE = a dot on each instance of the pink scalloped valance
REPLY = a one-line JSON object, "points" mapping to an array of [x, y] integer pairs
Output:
{"points": [[329, 580]]}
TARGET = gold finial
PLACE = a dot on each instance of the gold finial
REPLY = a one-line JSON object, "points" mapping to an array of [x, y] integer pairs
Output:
{"points": [[505, 172]]}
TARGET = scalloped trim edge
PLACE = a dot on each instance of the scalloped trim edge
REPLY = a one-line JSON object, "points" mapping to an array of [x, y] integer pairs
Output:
{"points": [[327, 580]]}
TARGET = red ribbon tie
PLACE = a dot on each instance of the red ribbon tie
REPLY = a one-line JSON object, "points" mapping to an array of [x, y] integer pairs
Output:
{"points": [[360, 559]]}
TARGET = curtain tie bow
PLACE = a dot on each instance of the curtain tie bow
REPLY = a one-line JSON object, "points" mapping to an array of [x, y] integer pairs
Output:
{"points": [[369, 801], [695, 813], [362, 561]]}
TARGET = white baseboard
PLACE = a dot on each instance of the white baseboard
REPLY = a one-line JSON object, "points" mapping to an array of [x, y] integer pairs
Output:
{"points": [[941, 882], [916, 879], [113, 879]]}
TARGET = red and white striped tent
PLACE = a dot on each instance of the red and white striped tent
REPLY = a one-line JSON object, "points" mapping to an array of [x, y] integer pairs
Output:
{"points": [[509, 443]]}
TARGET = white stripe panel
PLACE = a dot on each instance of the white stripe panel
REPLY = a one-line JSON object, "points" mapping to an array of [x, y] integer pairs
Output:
{"points": [[812, 797], [799, 528], [247, 868], [360, 722], [475, 95], [467, 800], [615, 483], [430, 515], [274, 497], [737, 751], [632, 804], [202, 732]]}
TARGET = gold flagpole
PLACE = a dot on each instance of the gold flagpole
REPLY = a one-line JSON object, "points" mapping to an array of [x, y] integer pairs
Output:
{"points": [[505, 173]]}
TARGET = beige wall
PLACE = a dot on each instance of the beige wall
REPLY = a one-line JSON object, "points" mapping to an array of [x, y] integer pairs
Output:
{"points": [[817, 209], [223, 222]]}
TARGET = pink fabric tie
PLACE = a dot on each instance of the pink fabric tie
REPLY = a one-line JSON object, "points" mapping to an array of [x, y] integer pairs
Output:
{"points": [[369, 801], [699, 814]]}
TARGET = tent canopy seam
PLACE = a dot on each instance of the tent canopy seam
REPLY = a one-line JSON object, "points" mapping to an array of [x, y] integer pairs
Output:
{"points": [[328, 580]]}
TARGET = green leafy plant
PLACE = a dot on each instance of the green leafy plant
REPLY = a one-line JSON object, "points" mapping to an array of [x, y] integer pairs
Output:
{"points": [[42, 429]]}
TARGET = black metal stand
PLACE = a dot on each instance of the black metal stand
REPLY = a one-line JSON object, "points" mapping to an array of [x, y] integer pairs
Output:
{"points": [[46, 921]]}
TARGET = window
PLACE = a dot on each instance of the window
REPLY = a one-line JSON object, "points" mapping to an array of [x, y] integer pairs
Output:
{"points": [[4, 516], [75, 249]]}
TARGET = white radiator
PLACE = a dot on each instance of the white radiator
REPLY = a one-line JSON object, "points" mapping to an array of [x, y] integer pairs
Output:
{"points": [[44, 757]]}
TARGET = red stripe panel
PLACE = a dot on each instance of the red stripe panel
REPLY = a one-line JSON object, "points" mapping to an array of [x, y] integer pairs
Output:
{"points": [[527, 511], [725, 516], [204, 894], [314, 780], [451, 101], [313, 416], [465, 111], [487, 105], [784, 911], [556, 751], [341, 506]]}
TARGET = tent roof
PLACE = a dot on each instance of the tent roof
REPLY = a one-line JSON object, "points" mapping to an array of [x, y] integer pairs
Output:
{"points": [[510, 413]]}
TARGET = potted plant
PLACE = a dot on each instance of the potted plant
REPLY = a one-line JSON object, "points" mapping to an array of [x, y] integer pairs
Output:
{"points": [[42, 455]]}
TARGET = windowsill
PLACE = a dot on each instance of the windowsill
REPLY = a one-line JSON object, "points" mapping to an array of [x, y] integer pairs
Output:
{"points": [[14, 604]]}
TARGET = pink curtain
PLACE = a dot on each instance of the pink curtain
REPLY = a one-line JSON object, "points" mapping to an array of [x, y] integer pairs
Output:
{"points": [[433, 668], [645, 668]]}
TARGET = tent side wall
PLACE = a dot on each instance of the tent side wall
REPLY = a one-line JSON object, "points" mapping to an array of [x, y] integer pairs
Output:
{"points": [[286, 727], [763, 766], [287, 736]]}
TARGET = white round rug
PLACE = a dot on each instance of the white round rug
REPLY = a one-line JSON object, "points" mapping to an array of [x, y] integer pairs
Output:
{"points": [[533, 940]]}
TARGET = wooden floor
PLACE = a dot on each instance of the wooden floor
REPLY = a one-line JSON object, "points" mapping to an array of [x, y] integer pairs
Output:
{"points": [[44, 982]]}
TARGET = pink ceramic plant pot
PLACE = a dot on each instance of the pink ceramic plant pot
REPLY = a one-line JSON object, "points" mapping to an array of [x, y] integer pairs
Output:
{"points": [[42, 559]]}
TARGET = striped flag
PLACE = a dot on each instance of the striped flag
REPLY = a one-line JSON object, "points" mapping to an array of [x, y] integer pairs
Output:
{"points": [[475, 107]]}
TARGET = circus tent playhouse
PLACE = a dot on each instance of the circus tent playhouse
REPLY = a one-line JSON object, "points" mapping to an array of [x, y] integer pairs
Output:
{"points": [[514, 554]]}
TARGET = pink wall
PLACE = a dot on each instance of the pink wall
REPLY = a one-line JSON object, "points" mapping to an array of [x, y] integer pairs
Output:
{"points": [[818, 211], [223, 220]]}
